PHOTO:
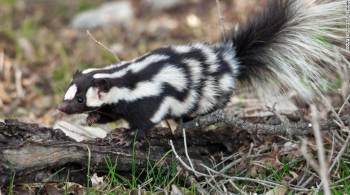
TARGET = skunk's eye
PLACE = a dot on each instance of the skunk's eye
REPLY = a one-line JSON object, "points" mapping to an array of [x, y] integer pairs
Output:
{"points": [[80, 100]]}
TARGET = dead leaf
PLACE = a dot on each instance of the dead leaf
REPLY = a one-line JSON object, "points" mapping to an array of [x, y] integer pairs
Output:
{"points": [[3, 95], [280, 190], [97, 182], [175, 190]]}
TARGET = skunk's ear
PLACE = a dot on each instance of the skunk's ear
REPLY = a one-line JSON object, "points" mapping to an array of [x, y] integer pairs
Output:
{"points": [[102, 84], [77, 73]]}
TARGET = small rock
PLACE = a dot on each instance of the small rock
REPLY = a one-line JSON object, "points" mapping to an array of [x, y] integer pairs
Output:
{"points": [[119, 12], [193, 21], [161, 25], [160, 5]]}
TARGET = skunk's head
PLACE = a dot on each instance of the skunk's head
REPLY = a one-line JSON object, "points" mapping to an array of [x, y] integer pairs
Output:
{"points": [[84, 94]]}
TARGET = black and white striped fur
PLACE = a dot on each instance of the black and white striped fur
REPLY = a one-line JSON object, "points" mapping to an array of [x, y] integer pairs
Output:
{"points": [[282, 47]]}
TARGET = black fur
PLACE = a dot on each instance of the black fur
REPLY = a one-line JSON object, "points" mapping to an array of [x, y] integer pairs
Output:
{"points": [[253, 39]]}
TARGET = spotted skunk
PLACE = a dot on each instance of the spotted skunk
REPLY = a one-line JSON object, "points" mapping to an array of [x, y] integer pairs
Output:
{"points": [[292, 44]]}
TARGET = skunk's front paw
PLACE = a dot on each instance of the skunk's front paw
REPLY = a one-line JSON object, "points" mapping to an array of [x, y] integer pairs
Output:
{"points": [[92, 118]]}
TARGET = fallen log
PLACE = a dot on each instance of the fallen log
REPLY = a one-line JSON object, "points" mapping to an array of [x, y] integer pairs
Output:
{"points": [[34, 154], [37, 154]]}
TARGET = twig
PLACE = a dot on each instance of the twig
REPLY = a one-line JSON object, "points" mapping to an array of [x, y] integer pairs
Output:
{"points": [[233, 163], [221, 20], [338, 157], [199, 188], [332, 148], [183, 163], [341, 152], [302, 178], [212, 178], [169, 126], [186, 152], [341, 140], [223, 186], [323, 172], [216, 173], [345, 74], [312, 177], [88, 166], [341, 180], [345, 143], [329, 105], [2, 61], [233, 156], [230, 120], [212, 187], [305, 153], [18, 79], [262, 182], [237, 188], [295, 129], [344, 104], [102, 45]]}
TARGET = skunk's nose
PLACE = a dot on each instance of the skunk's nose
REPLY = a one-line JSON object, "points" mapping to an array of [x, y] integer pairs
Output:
{"points": [[63, 107]]}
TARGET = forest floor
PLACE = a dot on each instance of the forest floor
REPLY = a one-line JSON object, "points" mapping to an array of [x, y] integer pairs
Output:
{"points": [[40, 50]]}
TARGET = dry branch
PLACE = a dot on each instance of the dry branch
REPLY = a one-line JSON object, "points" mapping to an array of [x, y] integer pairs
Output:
{"points": [[297, 129]]}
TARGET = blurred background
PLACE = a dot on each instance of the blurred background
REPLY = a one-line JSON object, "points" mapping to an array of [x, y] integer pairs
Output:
{"points": [[43, 42]]}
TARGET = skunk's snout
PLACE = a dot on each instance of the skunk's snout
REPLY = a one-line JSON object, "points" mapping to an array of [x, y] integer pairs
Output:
{"points": [[64, 107]]}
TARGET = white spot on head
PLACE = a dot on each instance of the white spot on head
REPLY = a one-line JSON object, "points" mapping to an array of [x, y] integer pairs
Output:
{"points": [[71, 92]]}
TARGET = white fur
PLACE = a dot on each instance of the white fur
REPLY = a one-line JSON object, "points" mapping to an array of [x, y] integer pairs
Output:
{"points": [[211, 57], [229, 56], [226, 82], [138, 66], [92, 98], [104, 68], [209, 96], [171, 105], [182, 49], [196, 71], [170, 74], [71, 92], [134, 67], [115, 94]]}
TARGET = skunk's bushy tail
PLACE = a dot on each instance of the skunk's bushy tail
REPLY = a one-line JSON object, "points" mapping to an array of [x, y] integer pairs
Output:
{"points": [[292, 44]]}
